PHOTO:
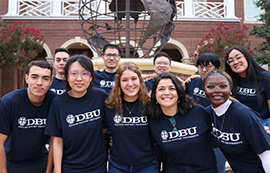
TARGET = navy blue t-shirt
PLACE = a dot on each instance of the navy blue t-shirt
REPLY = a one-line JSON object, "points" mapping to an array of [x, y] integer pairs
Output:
{"points": [[131, 136], [190, 144], [58, 86], [104, 80], [195, 89], [149, 84], [246, 94], [242, 137], [79, 122], [24, 125]]}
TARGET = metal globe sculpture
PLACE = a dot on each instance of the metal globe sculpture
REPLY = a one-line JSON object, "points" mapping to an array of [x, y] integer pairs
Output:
{"points": [[141, 28]]}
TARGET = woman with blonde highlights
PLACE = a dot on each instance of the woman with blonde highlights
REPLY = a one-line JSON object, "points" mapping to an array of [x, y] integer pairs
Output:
{"points": [[126, 118]]}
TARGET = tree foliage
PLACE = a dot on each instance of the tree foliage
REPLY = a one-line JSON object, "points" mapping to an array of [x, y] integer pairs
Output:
{"points": [[19, 45], [221, 38], [261, 53]]}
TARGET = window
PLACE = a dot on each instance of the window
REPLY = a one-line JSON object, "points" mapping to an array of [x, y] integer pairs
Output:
{"points": [[252, 12]]}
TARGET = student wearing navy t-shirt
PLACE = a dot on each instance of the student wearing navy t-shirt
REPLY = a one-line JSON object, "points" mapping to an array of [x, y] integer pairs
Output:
{"points": [[75, 121], [126, 118], [60, 58], [237, 129], [23, 116], [180, 127], [104, 79], [162, 63], [250, 81], [205, 63]]}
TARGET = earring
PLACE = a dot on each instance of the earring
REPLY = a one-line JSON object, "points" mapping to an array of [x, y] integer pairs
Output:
{"points": [[156, 103], [178, 101]]}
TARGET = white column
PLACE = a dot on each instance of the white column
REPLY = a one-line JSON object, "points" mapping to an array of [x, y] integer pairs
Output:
{"points": [[12, 8], [188, 8], [56, 7], [230, 9]]}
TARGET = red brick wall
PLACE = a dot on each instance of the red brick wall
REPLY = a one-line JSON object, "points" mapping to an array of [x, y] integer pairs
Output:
{"points": [[57, 32]]}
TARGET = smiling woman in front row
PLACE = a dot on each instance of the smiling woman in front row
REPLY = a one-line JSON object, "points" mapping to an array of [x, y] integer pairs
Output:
{"points": [[180, 127], [237, 130]]}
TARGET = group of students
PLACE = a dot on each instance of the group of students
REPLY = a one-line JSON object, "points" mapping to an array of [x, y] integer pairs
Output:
{"points": [[185, 128]]}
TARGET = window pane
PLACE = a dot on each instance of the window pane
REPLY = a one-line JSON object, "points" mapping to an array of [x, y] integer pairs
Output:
{"points": [[252, 12]]}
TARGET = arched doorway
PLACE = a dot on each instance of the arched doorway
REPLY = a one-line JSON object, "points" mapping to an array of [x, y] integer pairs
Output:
{"points": [[79, 48]]}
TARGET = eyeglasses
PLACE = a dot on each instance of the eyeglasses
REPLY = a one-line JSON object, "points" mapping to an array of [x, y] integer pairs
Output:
{"points": [[230, 61], [75, 74], [162, 62], [217, 87], [207, 67], [108, 55]]}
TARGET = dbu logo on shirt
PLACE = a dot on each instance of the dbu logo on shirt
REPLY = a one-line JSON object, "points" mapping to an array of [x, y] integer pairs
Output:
{"points": [[226, 138], [106, 84], [179, 134], [246, 91], [129, 121], [74, 120], [198, 92], [25, 123]]}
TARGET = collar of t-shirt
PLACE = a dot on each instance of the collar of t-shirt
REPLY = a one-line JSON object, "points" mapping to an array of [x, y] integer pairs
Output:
{"points": [[220, 110]]}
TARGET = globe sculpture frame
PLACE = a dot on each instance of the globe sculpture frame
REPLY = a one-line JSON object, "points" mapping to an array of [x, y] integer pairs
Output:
{"points": [[141, 28]]}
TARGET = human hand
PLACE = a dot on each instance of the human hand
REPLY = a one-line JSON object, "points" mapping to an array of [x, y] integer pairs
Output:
{"points": [[192, 77]]}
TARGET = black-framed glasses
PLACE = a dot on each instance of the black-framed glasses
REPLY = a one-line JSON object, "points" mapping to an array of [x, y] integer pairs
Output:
{"points": [[207, 67], [109, 55]]}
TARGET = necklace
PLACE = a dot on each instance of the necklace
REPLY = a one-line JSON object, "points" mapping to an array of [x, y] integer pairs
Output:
{"points": [[218, 133], [106, 74], [173, 123], [130, 111]]}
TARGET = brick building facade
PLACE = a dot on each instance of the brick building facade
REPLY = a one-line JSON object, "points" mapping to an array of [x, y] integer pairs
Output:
{"points": [[65, 31]]}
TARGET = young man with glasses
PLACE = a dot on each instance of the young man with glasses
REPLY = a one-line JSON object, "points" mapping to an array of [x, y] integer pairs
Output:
{"points": [[104, 79], [162, 63], [205, 63]]}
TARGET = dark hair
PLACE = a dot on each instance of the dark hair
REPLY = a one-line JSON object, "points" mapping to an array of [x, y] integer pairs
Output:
{"points": [[115, 98], [221, 72], [41, 64], [161, 54], [61, 49], [206, 58], [185, 103], [112, 46], [251, 72], [85, 62]]}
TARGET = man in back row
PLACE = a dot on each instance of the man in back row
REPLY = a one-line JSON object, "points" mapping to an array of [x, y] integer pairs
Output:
{"points": [[23, 116], [162, 63], [60, 58], [104, 79]]}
